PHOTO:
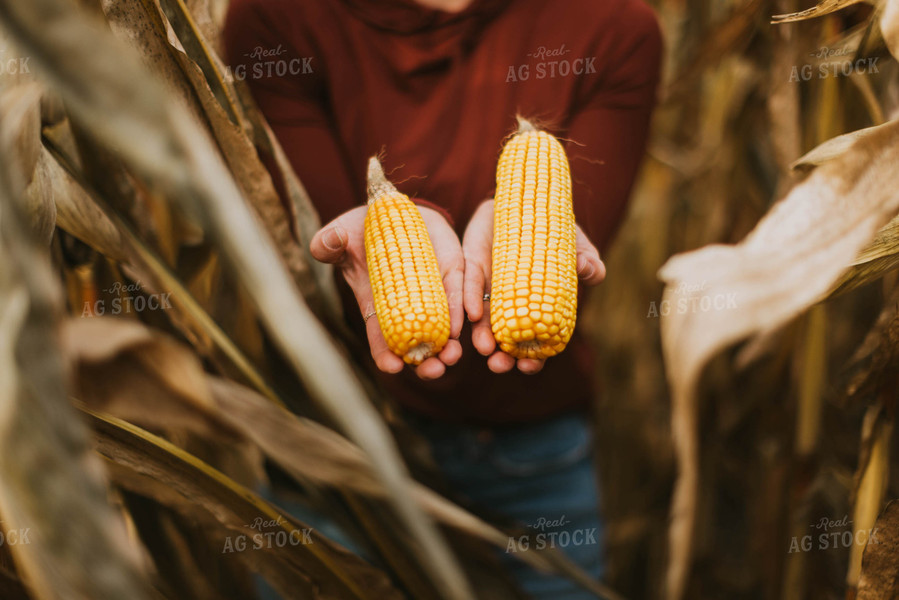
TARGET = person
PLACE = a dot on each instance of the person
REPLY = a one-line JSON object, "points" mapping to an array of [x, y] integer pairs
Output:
{"points": [[434, 87]]}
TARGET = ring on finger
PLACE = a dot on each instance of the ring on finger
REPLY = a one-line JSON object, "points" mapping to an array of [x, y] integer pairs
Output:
{"points": [[486, 297], [369, 316]]}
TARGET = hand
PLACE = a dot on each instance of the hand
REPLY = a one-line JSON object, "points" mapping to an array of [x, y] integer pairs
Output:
{"points": [[342, 243], [477, 245]]}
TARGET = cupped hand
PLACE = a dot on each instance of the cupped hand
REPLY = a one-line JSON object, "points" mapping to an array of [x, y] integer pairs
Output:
{"points": [[342, 243], [477, 244]]}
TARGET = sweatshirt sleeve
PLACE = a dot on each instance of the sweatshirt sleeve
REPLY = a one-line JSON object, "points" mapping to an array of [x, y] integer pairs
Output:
{"points": [[266, 46], [610, 122]]}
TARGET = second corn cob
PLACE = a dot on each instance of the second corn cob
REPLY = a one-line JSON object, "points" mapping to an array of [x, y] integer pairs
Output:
{"points": [[533, 295], [410, 300]]}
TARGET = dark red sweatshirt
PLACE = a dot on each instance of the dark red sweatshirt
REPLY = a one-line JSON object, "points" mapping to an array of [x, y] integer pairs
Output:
{"points": [[341, 80]]}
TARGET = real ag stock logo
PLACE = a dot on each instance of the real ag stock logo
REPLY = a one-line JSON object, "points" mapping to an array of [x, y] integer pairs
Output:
{"points": [[692, 298], [552, 63], [269, 63], [552, 533], [14, 537], [12, 65], [127, 299], [278, 537], [833, 533], [830, 62]]}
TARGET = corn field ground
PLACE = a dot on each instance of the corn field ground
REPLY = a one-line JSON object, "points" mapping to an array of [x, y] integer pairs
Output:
{"points": [[167, 344]]}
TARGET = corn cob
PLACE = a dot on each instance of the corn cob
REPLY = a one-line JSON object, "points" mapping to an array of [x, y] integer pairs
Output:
{"points": [[533, 294], [410, 301]]}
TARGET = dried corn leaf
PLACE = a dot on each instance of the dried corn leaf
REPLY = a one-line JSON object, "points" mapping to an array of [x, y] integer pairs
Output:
{"points": [[811, 383], [825, 7], [882, 254], [783, 99], [21, 104], [886, 10], [115, 357], [75, 211], [876, 361], [787, 263], [306, 449], [203, 404], [244, 163], [50, 485], [232, 308], [107, 89], [880, 562], [210, 283], [288, 440], [889, 26], [871, 481], [144, 23], [138, 461], [162, 226], [880, 257], [834, 147], [194, 44], [209, 16], [379, 527], [11, 587], [306, 219], [724, 40], [869, 96], [187, 314]]}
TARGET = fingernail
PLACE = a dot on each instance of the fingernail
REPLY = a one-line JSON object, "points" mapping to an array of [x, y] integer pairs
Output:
{"points": [[581, 263], [333, 239], [585, 270]]}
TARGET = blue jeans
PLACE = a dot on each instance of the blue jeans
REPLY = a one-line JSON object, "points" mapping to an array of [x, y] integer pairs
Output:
{"points": [[542, 476]]}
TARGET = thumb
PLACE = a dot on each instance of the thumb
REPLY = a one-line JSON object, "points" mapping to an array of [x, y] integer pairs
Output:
{"points": [[590, 268], [329, 244]]}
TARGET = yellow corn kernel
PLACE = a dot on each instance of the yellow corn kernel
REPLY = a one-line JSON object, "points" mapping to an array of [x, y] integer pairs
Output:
{"points": [[533, 294], [410, 301]]}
